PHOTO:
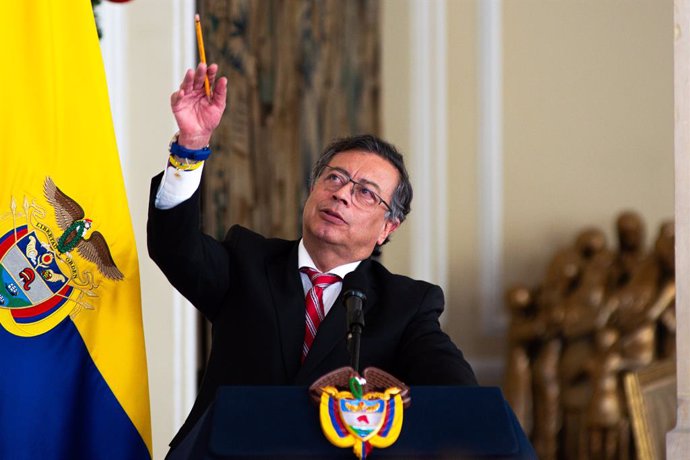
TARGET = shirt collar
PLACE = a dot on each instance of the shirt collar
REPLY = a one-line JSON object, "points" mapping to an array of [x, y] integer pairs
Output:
{"points": [[305, 260]]}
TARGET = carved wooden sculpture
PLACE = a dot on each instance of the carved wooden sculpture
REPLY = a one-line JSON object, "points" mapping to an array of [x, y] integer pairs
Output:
{"points": [[524, 331], [583, 310], [561, 277], [598, 314]]}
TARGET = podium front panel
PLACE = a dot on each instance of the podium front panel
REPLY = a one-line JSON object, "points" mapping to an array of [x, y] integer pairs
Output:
{"points": [[441, 423]]}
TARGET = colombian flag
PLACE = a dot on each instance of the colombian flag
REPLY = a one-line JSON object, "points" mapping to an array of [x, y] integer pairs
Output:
{"points": [[73, 381]]}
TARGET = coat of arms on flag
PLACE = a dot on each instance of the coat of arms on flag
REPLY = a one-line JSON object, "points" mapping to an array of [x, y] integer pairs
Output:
{"points": [[40, 279]]}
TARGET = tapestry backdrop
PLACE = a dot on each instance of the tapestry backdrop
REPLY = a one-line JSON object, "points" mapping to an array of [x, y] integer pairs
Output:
{"points": [[301, 73]]}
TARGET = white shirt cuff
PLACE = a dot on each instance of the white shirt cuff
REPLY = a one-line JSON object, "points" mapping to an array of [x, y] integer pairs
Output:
{"points": [[177, 186]]}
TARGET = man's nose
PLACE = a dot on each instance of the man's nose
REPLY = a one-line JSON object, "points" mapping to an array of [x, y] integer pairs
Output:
{"points": [[345, 193]]}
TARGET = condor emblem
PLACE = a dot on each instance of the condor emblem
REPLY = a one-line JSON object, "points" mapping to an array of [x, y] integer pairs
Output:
{"points": [[369, 415], [41, 282]]}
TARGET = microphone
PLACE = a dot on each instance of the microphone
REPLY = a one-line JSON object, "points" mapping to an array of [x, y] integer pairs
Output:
{"points": [[354, 298], [354, 304]]}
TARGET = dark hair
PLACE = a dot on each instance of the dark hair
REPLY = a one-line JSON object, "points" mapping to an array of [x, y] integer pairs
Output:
{"points": [[402, 196]]}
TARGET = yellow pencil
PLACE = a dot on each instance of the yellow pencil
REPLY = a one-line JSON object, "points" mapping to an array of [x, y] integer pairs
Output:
{"points": [[202, 53]]}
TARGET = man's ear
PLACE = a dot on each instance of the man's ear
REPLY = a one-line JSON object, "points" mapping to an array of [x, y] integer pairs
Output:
{"points": [[388, 227]]}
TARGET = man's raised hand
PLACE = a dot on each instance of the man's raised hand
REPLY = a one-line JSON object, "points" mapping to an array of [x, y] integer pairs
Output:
{"points": [[197, 115]]}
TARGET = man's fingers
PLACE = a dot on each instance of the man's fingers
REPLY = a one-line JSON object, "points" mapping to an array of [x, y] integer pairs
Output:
{"points": [[220, 92], [176, 97], [188, 80], [199, 76], [193, 84], [212, 73]]}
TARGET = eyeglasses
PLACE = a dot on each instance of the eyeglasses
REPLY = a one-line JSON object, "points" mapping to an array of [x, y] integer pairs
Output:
{"points": [[362, 195]]}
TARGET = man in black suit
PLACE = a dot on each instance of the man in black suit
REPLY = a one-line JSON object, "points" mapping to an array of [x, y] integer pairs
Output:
{"points": [[253, 289]]}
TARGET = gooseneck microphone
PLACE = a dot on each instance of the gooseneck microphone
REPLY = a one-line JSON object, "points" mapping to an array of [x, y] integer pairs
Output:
{"points": [[354, 303]]}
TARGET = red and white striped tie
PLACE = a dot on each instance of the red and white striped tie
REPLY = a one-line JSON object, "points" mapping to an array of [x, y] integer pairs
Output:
{"points": [[315, 311]]}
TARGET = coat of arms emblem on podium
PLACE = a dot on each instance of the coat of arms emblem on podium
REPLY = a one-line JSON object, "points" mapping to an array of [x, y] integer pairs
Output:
{"points": [[360, 418]]}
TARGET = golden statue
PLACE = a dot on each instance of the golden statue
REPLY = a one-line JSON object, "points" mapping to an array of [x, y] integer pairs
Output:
{"points": [[597, 314], [561, 278], [643, 300], [583, 315], [524, 331], [630, 231], [665, 250], [607, 430]]}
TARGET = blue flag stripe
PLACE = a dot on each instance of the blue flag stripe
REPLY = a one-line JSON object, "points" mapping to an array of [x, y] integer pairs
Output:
{"points": [[82, 420]]}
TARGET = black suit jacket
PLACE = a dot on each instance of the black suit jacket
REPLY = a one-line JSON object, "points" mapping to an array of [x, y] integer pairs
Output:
{"points": [[249, 287]]}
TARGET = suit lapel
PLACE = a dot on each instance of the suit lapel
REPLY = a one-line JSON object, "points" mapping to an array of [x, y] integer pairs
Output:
{"points": [[333, 329], [288, 300]]}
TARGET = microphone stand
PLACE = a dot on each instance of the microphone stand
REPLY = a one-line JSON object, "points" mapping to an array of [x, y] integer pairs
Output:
{"points": [[355, 322], [354, 338]]}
